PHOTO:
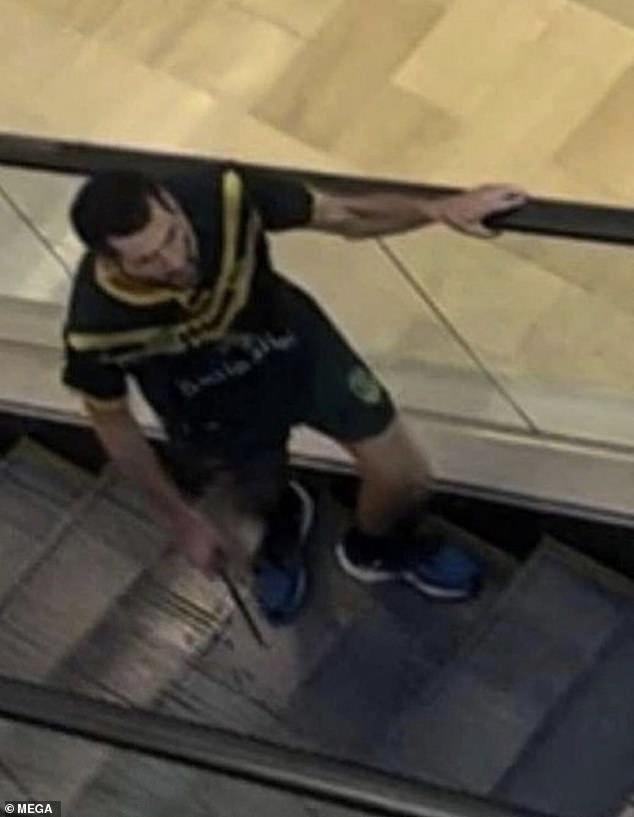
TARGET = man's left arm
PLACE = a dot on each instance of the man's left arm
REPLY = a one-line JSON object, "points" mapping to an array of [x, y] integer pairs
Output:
{"points": [[372, 215], [286, 204]]}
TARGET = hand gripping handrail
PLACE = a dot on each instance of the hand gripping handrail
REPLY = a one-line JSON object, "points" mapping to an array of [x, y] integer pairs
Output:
{"points": [[542, 216]]}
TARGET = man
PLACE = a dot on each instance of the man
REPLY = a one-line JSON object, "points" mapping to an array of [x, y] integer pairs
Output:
{"points": [[177, 290]]}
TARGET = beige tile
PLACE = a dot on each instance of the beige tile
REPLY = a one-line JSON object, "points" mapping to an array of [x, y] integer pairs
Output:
{"points": [[489, 35], [85, 98], [74, 86], [210, 45], [552, 180], [545, 94], [617, 9], [392, 131], [84, 15], [391, 327], [33, 52], [302, 17], [28, 270], [227, 131], [600, 149], [337, 73], [19, 117], [76, 93], [147, 30], [491, 297]]}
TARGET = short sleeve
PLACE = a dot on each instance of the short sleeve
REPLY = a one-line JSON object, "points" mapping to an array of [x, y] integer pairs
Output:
{"points": [[101, 384], [282, 203]]}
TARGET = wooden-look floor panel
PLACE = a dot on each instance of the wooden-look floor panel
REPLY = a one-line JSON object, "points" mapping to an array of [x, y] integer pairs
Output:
{"points": [[340, 70], [599, 150]]}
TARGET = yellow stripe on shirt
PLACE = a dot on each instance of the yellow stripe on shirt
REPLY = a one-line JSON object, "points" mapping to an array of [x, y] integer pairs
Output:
{"points": [[211, 322]]}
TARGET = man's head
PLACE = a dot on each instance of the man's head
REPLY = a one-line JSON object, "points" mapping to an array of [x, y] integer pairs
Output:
{"points": [[128, 217]]}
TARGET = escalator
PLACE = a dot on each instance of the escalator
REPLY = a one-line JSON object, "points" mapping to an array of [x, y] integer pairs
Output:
{"points": [[131, 685]]}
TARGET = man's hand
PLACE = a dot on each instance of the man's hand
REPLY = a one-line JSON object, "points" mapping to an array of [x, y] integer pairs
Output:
{"points": [[200, 541], [374, 215], [466, 211], [125, 443]]}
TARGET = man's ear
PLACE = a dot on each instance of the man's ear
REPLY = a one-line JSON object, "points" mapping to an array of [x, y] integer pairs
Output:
{"points": [[108, 251], [165, 200]]}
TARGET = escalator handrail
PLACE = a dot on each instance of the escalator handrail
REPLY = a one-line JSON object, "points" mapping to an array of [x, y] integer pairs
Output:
{"points": [[218, 750], [541, 216]]}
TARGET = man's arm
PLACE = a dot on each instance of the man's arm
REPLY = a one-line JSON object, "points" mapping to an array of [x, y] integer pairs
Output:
{"points": [[126, 445], [376, 214]]}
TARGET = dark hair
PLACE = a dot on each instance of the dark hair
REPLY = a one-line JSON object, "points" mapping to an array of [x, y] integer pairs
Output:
{"points": [[112, 204]]}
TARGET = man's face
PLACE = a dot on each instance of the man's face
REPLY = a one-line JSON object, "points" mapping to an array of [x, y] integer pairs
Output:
{"points": [[163, 252]]}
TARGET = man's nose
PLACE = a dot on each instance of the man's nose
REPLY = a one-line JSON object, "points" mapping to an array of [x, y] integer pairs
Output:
{"points": [[171, 256]]}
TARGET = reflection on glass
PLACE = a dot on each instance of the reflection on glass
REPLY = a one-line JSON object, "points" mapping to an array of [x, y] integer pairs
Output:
{"points": [[518, 333], [39, 250], [550, 320]]}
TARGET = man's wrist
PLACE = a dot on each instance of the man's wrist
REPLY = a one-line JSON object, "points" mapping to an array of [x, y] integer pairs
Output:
{"points": [[174, 511], [437, 210], [179, 514]]}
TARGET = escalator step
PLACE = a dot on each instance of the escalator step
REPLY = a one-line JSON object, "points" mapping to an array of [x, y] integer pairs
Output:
{"points": [[581, 763], [547, 630]]}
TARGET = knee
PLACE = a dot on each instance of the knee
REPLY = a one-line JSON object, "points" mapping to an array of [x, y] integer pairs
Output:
{"points": [[397, 466], [409, 483]]}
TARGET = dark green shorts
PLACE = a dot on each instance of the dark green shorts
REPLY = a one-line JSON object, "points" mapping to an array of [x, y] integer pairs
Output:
{"points": [[343, 398], [307, 375]]}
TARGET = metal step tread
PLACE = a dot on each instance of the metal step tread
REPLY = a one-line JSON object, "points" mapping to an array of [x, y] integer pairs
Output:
{"points": [[139, 647], [10, 787], [236, 684], [154, 627], [546, 630], [628, 809], [91, 558], [581, 762], [39, 492], [240, 686], [390, 652], [41, 470]]}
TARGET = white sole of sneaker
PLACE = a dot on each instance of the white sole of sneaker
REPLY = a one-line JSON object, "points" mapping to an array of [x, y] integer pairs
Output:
{"points": [[433, 590], [374, 576], [308, 508], [365, 575]]}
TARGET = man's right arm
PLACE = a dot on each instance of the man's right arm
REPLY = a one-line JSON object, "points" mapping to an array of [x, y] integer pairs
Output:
{"points": [[132, 454]]}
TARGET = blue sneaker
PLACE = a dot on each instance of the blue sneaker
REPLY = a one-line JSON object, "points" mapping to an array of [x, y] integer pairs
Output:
{"points": [[446, 573], [280, 573]]}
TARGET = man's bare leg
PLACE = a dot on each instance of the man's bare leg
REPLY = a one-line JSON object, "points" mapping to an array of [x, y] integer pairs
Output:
{"points": [[385, 544]]}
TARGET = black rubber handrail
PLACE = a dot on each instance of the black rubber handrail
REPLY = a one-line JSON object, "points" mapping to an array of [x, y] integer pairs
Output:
{"points": [[246, 758], [541, 216]]}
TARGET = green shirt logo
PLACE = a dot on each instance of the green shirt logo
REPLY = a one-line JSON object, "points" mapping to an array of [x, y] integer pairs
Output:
{"points": [[364, 386]]}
